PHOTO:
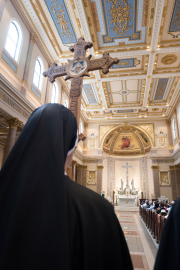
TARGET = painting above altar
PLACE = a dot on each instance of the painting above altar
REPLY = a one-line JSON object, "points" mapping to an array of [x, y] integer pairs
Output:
{"points": [[127, 140]]}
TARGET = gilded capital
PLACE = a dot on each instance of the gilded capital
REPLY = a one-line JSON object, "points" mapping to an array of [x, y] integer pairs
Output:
{"points": [[100, 167], [79, 166], [74, 163], [168, 122], [85, 125], [33, 38], [154, 167], [175, 167], [13, 122]]}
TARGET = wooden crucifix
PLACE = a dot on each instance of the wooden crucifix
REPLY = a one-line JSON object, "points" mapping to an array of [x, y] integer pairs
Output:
{"points": [[76, 69]]}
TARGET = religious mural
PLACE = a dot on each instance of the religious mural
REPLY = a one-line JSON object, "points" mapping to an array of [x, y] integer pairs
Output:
{"points": [[126, 140]]}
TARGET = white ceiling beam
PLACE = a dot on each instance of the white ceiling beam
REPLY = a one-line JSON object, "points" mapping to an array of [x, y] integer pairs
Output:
{"points": [[101, 90], [154, 43], [173, 99], [84, 23]]}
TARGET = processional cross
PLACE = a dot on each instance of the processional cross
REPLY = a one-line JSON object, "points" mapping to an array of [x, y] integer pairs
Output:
{"points": [[127, 177], [76, 69]]}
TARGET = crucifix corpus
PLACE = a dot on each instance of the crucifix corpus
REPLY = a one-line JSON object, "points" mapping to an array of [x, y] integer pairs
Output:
{"points": [[76, 69], [127, 176]]}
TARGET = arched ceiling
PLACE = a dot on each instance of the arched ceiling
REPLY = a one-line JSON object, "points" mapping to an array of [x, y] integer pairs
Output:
{"points": [[143, 34], [126, 140]]}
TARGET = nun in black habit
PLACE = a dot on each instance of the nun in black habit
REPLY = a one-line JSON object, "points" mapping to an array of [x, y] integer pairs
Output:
{"points": [[47, 221], [168, 256]]}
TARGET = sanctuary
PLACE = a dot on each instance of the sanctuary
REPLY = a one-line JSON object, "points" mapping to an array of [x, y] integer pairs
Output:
{"points": [[126, 196]]}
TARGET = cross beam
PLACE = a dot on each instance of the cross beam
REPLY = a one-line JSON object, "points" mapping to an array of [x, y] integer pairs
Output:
{"points": [[76, 69]]}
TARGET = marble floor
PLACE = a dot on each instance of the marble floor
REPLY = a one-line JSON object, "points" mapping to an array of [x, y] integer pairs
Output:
{"points": [[141, 246]]}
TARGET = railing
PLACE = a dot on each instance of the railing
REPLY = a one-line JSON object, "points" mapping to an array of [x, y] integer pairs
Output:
{"points": [[153, 222]]}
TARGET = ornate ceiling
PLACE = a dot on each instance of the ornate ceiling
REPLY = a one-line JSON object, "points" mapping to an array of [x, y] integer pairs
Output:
{"points": [[143, 34]]}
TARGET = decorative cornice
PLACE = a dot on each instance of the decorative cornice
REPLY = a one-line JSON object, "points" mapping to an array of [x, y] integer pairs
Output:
{"points": [[74, 163]]}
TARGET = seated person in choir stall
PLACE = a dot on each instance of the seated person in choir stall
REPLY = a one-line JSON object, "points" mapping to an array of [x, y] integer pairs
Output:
{"points": [[156, 207], [170, 240], [161, 206], [48, 221]]}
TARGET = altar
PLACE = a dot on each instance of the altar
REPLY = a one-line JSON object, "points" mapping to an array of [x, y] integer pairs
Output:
{"points": [[127, 201], [126, 197]]}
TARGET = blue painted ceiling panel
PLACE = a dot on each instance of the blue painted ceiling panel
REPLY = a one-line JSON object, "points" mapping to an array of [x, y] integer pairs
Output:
{"points": [[60, 16]]}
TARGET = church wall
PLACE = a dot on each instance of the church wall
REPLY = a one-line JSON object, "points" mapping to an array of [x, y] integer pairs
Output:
{"points": [[9, 14], [35, 54], [1, 155], [160, 126], [165, 190], [134, 172], [64, 97], [174, 118]]}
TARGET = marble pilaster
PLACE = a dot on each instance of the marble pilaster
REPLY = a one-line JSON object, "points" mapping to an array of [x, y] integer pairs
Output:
{"points": [[85, 142], [27, 65], [99, 179], [170, 137], [177, 123], [175, 181], [81, 175], [156, 180], [84, 176], [13, 123]]}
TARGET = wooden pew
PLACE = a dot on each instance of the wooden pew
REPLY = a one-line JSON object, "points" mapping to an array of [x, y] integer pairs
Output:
{"points": [[153, 222]]}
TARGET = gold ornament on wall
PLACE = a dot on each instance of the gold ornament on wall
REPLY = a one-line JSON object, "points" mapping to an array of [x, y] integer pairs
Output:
{"points": [[164, 178], [169, 59], [92, 178], [161, 139]]}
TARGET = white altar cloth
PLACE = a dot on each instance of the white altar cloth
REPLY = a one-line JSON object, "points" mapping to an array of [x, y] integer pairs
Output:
{"points": [[127, 200]]}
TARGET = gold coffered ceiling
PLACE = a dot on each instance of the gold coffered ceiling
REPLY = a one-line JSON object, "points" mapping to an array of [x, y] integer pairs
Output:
{"points": [[146, 82]]}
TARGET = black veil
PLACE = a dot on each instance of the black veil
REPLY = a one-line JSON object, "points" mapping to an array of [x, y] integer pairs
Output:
{"points": [[33, 210]]}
